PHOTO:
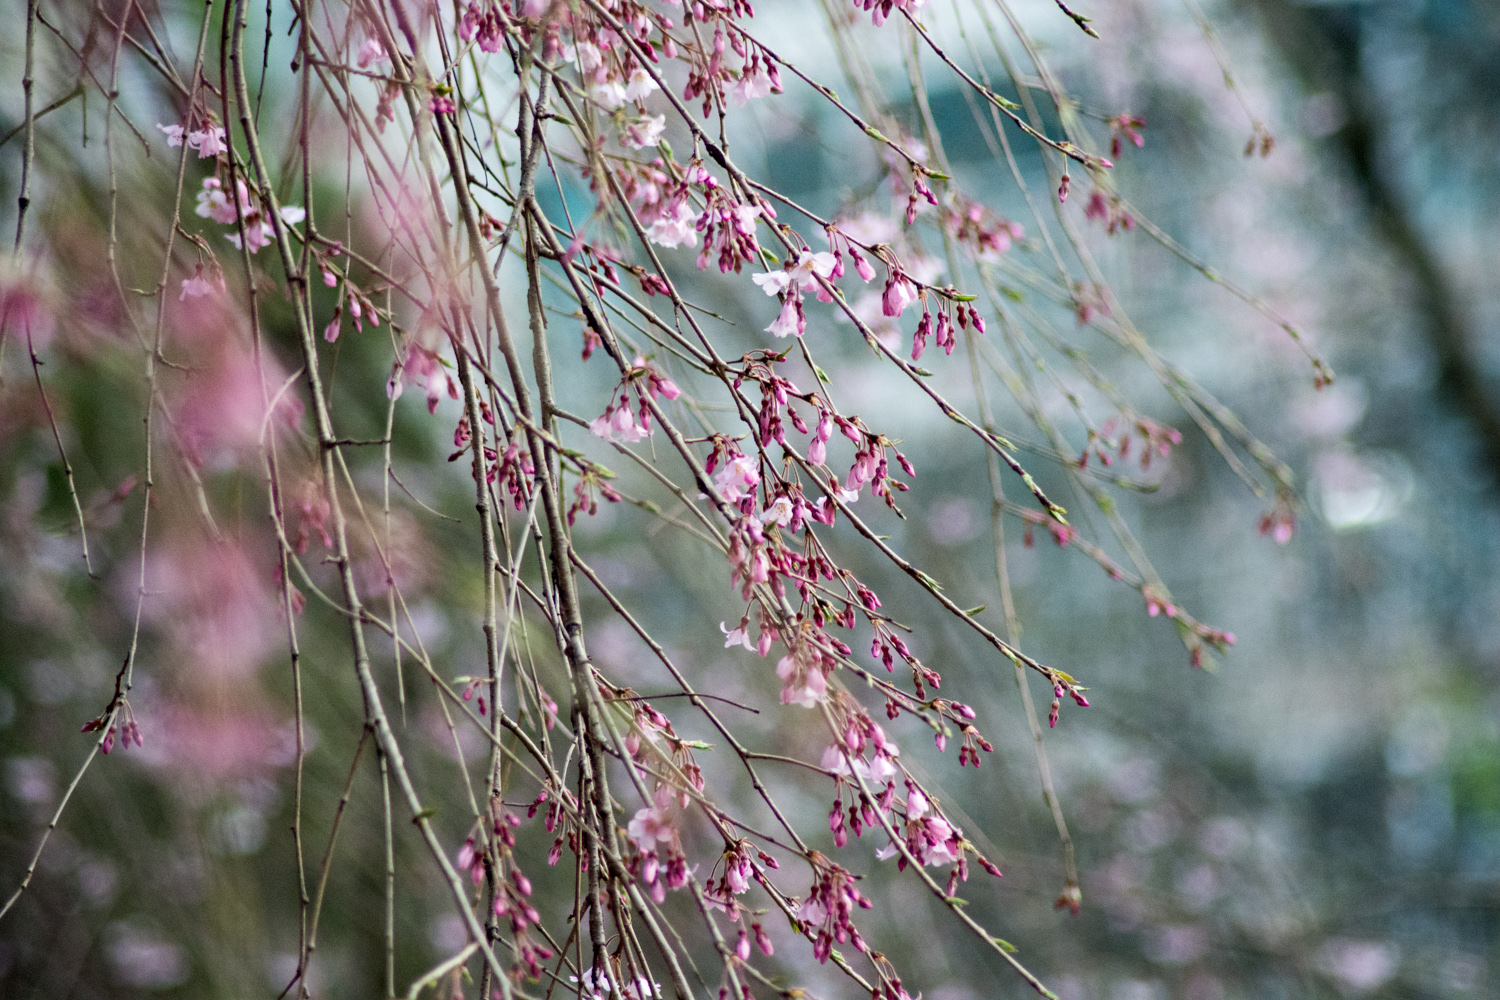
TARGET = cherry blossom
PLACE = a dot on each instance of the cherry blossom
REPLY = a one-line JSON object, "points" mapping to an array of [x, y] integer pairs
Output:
{"points": [[738, 636], [803, 682], [646, 131], [738, 478], [649, 827], [208, 142], [674, 227], [640, 85], [372, 53], [196, 285]]}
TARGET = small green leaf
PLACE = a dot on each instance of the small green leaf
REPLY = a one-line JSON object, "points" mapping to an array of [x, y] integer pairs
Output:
{"points": [[1014, 294], [424, 815], [697, 744], [1005, 946], [974, 611]]}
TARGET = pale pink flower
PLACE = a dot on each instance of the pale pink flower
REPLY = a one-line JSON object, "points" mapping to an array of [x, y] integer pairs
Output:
{"points": [[802, 685], [739, 636], [640, 85], [208, 142], [745, 217], [790, 322], [372, 52], [649, 826], [586, 53], [257, 235], [737, 478], [196, 286], [899, 293], [772, 282], [674, 227], [780, 511], [645, 131], [174, 134], [608, 94], [752, 84]]}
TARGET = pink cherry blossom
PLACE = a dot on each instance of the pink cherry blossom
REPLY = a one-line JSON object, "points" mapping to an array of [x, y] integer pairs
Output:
{"points": [[372, 52], [899, 293], [196, 286], [208, 141], [674, 227], [648, 827], [640, 85], [644, 132], [738, 636]]}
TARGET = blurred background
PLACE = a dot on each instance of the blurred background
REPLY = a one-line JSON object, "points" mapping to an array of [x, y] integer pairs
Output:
{"points": [[1317, 815]]}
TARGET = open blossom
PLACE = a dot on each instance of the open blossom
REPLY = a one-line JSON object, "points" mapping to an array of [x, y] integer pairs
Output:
{"points": [[649, 826], [878, 770], [780, 511], [755, 82], [208, 142], [804, 272], [738, 478], [791, 321], [639, 86], [196, 286], [802, 683], [422, 367], [372, 52], [738, 636], [213, 201], [598, 987], [586, 54], [608, 94], [675, 226], [618, 423], [645, 131]]}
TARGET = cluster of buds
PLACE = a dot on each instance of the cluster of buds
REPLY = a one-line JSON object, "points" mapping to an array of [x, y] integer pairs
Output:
{"points": [[970, 222], [313, 509], [482, 24], [942, 329], [870, 465], [1216, 638], [121, 723], [1106, 209], [728, 226], [840, 243], [827, 914], [473, 690], [514, 471], [1157, 440], [1059, 689], [1125, 127], [593, 482]]}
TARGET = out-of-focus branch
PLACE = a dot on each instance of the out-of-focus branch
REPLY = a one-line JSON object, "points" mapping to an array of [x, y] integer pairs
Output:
{"points": [[1323, 48]]}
